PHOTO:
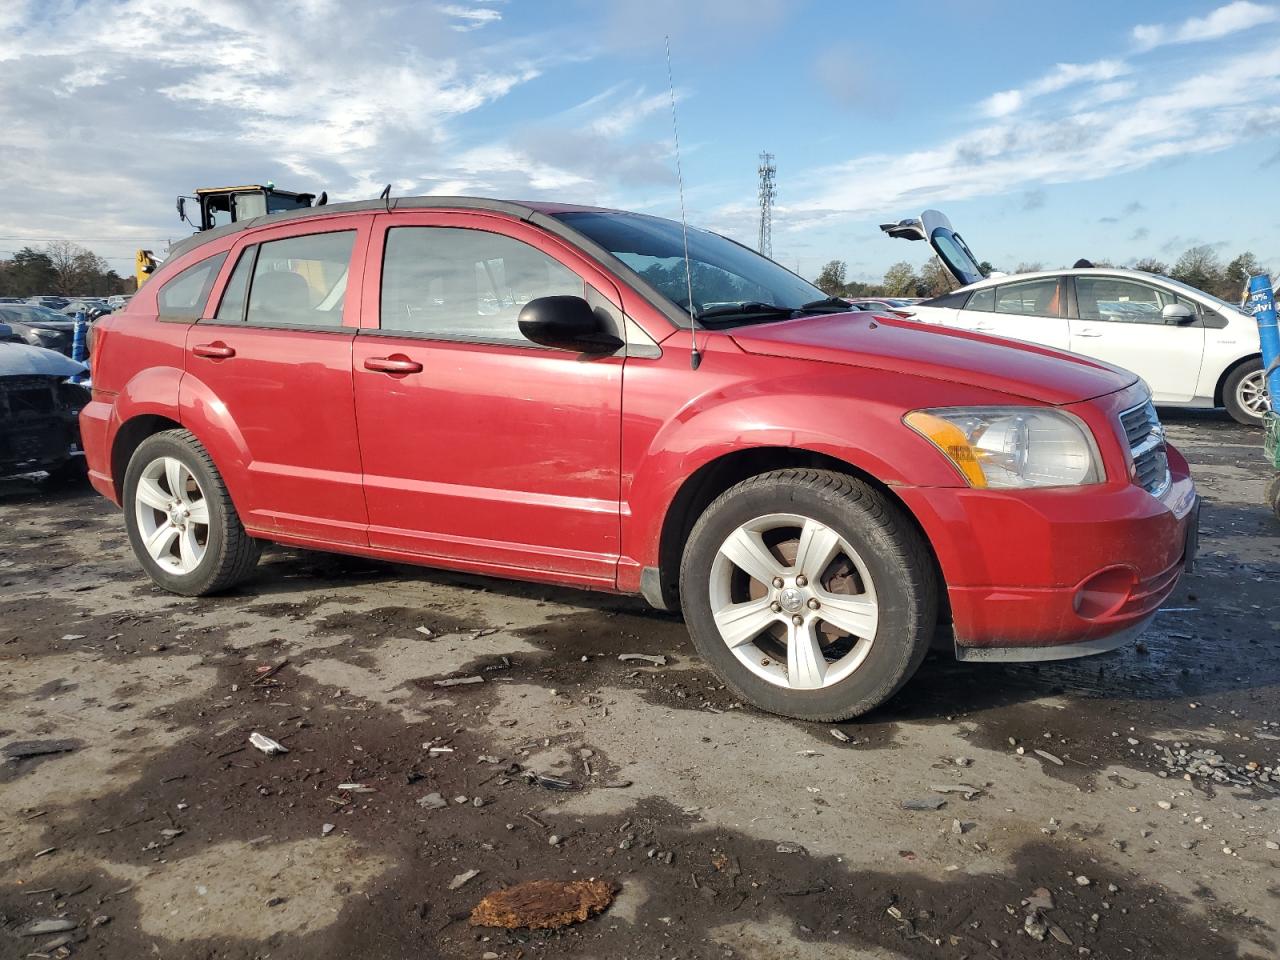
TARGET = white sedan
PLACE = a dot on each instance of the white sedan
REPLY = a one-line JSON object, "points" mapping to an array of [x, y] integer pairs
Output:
{"points": [[1193, 349]]}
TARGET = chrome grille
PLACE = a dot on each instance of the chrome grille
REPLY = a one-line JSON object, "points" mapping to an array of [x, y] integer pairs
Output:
{"points": [[1146, 442]]}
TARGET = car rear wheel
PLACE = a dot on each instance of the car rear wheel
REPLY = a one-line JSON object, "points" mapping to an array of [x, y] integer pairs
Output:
{"points": [[182, 524], [809, 593], [1245, 393]]}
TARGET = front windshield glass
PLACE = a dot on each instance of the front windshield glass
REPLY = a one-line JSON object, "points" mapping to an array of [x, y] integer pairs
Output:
{"points": [[724, 273], [1200, 293]]}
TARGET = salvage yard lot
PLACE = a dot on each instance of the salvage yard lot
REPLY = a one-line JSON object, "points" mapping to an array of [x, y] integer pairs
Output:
{"points": [[158, 830]]}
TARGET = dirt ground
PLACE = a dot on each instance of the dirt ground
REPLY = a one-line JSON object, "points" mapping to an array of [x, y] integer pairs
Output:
{"points": [[159, 832]]}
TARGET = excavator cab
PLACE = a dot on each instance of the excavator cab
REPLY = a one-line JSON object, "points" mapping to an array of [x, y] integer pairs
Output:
{"points": [[222, 205]]}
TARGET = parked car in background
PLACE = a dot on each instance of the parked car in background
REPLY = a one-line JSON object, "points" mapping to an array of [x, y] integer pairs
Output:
{"points": [[813, 487], [53, 303], [887, 307], [39, 411], [1193, 349], [39, 326]]}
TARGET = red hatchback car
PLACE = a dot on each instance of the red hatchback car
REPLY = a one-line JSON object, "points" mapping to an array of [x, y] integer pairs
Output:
{"points": [[519, 390]]}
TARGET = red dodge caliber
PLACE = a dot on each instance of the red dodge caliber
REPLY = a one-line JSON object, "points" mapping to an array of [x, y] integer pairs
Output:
{"points": [[555, 393]]}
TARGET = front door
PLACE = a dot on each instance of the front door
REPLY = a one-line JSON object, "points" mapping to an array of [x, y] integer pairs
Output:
{"points": [[1120, 321], [272, 365], [481, 449]]}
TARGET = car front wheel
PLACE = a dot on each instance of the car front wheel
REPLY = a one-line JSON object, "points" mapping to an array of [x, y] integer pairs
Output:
{"points": [[182, 524], [1245, 393], [809, 593]]}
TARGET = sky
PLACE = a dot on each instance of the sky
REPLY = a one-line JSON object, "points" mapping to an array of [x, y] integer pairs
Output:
{"points": [[1046, 131]]}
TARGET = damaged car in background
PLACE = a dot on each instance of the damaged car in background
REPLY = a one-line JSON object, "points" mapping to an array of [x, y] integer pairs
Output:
{"points": [[39, 409]]}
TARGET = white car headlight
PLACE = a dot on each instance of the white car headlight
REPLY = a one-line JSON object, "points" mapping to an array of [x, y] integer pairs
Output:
{"points": [[1012, 446]]}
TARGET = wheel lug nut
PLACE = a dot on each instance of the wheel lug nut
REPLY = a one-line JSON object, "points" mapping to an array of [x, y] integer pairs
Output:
{"points": [[801, 580], [776, 607], [777, 582], [813, 603], [797, 620]]}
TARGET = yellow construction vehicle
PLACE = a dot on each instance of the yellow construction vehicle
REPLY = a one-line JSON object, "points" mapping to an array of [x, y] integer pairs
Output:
{"points": [[219, 206]]}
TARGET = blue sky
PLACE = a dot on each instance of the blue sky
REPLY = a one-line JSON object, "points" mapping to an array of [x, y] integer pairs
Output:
{"points": [[1046, 131]]}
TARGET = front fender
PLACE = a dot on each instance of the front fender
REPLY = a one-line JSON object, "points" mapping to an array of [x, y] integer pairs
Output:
{"points": [[814, 409]]}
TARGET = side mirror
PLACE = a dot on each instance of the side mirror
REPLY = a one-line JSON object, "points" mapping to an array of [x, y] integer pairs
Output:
{"points": [[1178, 313], [566, 323]]}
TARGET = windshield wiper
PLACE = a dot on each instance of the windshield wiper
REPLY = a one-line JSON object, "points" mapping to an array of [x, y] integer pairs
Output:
{"points": [[826, 305], [744, 309]]}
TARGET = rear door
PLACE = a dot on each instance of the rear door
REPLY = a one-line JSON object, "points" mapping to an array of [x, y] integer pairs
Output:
{"points": [[1119, 320], [480, 448], [1031, 310], [270, 367]]}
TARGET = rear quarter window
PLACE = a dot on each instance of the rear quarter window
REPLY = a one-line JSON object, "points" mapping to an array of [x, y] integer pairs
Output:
{"points": [[184, 296]]}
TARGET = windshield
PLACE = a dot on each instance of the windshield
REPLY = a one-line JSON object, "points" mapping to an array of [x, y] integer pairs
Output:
{"points": [[724, 274], [1200, 293]]}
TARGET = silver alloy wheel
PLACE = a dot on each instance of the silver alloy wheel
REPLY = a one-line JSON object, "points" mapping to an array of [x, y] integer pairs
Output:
{"points": [[173, 515], [1251, 394], [793, 601]]}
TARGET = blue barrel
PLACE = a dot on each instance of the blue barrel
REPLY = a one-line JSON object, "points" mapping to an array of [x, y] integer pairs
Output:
{"points": [[80, 344], [1261, 303]]}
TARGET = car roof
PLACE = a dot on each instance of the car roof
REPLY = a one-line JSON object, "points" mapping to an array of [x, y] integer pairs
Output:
{"points": [[1065, 271]]}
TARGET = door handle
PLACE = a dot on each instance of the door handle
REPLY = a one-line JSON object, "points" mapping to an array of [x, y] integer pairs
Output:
{"points": [[1089, 333], [397, 363], [214, 351]]}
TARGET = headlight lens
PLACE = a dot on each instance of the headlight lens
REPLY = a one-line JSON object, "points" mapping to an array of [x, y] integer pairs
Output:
{"points": [[1014, 447]]}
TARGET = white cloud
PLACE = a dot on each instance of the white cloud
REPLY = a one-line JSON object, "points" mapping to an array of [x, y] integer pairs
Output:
{"points": [[1062, 75], [1214, 110], [1225, 20], [469, 18]]}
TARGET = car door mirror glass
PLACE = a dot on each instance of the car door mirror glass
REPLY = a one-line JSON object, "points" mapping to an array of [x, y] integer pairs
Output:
{"points": [[567, 323], [1178, 314]]}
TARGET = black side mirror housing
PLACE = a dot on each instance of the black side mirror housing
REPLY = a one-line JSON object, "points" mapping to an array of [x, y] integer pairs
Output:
{"points": [[567, 323], [1178, 313]]}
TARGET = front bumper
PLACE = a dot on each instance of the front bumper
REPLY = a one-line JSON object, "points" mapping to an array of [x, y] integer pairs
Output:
{"points": [[1041, 575]]}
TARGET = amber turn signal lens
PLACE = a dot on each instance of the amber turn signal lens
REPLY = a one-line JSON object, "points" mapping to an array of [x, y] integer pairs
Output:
{"points": [[950, 439]]}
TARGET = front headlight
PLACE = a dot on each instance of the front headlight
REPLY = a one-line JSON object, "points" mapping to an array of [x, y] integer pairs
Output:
{"points": [[1011, 446]]}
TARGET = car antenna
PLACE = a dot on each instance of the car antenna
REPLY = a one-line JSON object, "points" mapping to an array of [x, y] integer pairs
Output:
{"points": [[385, 197], [695, 358]]}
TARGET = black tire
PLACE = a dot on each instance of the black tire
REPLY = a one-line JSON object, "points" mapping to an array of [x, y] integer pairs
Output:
{"points": [[1230, 390], [890, 546], [230, 553]]}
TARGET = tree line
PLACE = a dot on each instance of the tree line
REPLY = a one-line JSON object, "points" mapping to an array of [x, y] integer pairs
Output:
{"points": [[62, 268], [1199, 267]]}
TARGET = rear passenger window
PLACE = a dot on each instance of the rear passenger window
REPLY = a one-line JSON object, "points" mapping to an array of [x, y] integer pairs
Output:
{"points": [[466, 284], [231, 309], [1030, 298], [982, 300], [301, 281], [184, 297]]}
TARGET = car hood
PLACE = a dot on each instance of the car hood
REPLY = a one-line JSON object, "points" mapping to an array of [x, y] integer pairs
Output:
{"points": [[939, 353], [21, 360]]}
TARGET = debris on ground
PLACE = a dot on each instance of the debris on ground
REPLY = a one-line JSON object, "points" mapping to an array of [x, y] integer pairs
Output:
{"points": [[433, 801], [968, 791], [355, 788], [462, 879], [553, 783], [839, 735], [788, 847], [41, 928], [1048, 756], [266, 744], [1210, 765], [459, 681], [25, 749], [924, 803], [657, 661], [543, 904]]}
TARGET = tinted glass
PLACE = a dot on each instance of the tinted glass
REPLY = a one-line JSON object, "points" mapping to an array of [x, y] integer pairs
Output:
{"points": [[1120, 301], [231, 309], [183, 297], [982, 300], [1030, 298], [448, 282], [301, 281], [722, 272]]}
